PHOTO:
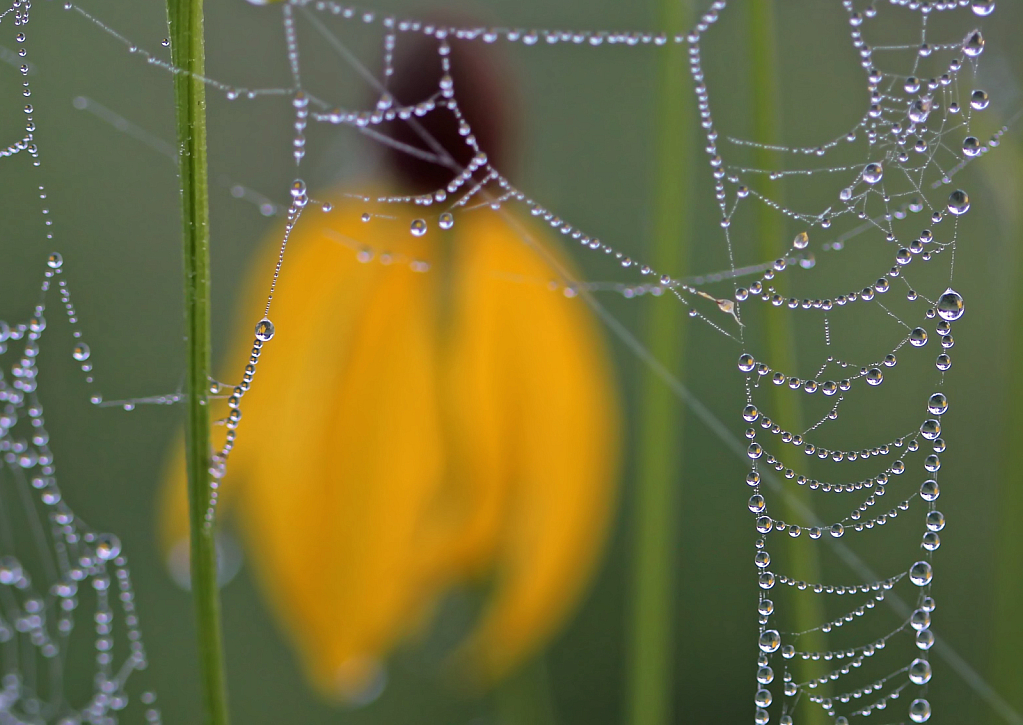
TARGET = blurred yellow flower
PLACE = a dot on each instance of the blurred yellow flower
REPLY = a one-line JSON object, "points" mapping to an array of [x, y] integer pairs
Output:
{"points": [[432, 412]]}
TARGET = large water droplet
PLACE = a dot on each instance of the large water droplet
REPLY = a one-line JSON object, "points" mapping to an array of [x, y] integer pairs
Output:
{"points": [[979, 100], [929, 490], [919, 710], [974, 44], [418, 227], [950, 305], [971, 146], [446, 220], [54, 261], [920, 672], [264, 330], [920, 573], [108, 546], [958, 202], [80, 352], [872, 173], [983, 8], [930, 429], [770, 641]]}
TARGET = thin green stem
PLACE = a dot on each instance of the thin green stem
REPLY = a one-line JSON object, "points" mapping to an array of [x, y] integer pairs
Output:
{"points": [[660, 422], [778, 328], [185, 20]]}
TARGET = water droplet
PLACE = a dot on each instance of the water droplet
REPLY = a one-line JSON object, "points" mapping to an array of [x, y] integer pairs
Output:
{"points": [[875, 376], [446, 220], [974, 44], [54, 261], [950, 305], [765, 676], [770, 641], [920, 573], [983, 8], [763, 698], [108, 546], [918, 337], [746, 362], [930, 429], [937, 404], [299, 194], [925, 639], [873, 173], [919, 710], [971, 146], [920, 672], [801, 241], [979, 100], [418, 227], [80, 352], [929, 490], [958, 202], [264, 330]]}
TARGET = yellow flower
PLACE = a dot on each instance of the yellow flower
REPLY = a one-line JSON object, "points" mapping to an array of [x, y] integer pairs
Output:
{"points": [[432, 412]]}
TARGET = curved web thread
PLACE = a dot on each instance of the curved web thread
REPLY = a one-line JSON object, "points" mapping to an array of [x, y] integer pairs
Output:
{"points": [[916, 129], [63, 584]]}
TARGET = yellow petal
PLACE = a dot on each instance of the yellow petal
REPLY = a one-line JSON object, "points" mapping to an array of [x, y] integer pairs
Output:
{"points": [[537, 357]]}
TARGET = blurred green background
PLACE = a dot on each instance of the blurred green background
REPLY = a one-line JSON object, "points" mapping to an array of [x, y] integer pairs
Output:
{"points": [[589, 153]]}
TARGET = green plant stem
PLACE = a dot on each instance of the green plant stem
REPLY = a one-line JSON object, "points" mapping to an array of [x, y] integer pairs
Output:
{"points": [[185, 20], [660, 422], [778, 328]]}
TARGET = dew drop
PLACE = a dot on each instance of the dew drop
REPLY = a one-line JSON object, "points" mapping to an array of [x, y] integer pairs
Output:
{"points": [[918, 337], [979, 100], [54, 261], [873, 173], [971, 146], [974, 44], [920, 573], [958, 202], [108, 546], [920, 672], [418, 227], [924, 639], [950, 305], [937, 404], [919, 710], [983, 8], [264, 330], [298, 193], [80, 352], [930, 429], [770, 641], [929, 491], [446, 220]]}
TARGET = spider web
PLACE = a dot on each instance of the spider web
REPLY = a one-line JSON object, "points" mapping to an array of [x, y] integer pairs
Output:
{"points": [[888, 175]]}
